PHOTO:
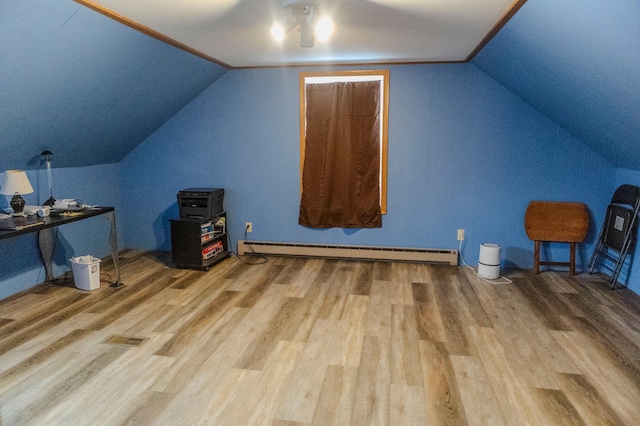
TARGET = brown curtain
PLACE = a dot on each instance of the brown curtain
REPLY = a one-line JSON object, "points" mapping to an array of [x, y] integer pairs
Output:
{"points": [[341, 171]]}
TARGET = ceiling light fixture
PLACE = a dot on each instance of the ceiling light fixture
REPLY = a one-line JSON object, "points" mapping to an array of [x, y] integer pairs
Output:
{"points": [[306, 15]]}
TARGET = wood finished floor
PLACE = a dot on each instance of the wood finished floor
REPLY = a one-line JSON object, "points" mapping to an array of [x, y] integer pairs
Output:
{"points": [[294, 342]]}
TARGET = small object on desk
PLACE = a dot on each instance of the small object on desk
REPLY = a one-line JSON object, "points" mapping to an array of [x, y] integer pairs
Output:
{"points": [[67, 204], [31, 210], [44, 211]]}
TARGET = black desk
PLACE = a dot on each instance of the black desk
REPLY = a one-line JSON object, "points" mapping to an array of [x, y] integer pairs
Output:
{"points": [[45, 238]]}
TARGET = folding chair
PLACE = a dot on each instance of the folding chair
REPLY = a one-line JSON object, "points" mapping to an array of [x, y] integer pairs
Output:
{"points": [[619, 231]]}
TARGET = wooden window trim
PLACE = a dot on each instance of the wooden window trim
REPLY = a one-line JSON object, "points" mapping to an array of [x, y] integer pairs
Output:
{"points": [[385, 122]]}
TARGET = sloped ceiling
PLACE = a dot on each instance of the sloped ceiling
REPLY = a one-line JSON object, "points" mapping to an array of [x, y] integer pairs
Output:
{"points": [[578, 62], [84, 86]]}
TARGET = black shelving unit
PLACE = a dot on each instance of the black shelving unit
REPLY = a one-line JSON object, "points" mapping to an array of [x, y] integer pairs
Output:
{"points": [[199, 243]]}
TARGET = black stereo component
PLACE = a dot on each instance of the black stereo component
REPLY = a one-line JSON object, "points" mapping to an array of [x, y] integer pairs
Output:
{"points": [[200, 202]]}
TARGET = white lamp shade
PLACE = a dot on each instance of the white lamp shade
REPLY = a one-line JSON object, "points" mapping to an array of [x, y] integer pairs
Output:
{"points": [[15, 182]]}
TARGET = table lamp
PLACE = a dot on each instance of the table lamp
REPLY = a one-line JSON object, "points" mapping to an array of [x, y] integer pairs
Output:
{"points": [[16, 183]]}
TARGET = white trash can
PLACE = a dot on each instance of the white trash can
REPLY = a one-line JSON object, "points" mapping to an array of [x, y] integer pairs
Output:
{"points": [[86, 272]]}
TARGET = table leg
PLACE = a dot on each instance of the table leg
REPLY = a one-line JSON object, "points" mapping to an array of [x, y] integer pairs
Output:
{"points": [[572, 262], [536, 257], [46, 241], [111, 216]]}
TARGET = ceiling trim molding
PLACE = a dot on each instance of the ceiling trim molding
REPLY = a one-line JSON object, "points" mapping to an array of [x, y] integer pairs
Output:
{"points": [[515, 7], [148, 31], [511, 11], [347, 64]]}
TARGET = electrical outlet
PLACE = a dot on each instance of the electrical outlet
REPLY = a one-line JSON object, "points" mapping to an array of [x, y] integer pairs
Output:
{"points": [[460, 234], [248, 227]]}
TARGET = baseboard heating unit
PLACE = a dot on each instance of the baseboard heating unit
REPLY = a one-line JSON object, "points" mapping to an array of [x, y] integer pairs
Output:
{"points": [[349, 252]]}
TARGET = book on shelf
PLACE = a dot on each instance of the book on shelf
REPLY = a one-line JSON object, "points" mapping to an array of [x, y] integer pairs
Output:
{"points": [[210, 251], [206, 227], [221, 225], [208, 236]]}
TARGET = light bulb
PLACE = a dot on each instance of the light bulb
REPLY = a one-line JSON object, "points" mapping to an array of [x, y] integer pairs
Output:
{"points": [[324, 28], [277, 32]]}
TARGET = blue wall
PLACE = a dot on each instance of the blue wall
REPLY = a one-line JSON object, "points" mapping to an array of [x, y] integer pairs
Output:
{"points": [[464, 152], [20, 263]]}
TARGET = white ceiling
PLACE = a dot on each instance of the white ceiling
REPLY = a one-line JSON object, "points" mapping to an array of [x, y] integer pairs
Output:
{"points": [[237, 32]]}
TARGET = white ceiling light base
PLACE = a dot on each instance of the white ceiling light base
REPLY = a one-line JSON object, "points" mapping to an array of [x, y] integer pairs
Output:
{"points": [[306, 15]]}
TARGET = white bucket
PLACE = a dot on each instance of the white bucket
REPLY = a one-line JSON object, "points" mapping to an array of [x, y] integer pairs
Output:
{"points": [[489, 262], [86, 272]]}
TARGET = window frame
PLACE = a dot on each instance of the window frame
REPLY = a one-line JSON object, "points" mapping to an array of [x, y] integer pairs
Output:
{"points": [[384, 121]]}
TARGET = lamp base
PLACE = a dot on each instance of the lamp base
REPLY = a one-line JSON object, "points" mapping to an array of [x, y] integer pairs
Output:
{"points": [[17, 204]]}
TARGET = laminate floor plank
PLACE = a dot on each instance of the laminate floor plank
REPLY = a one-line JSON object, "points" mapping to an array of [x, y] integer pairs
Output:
{"points": [[406, 367], [593, 408], [257, 353], [20, 336], [556, 408], [301, 283], [136, 366], [604, 374], [185, 368], [524, 352], [293, 269], [478, 396], [537, 333], [401, 279], [18, 306], [329, 397], [211, 372], [407, 405], [363, 279], [12, 375], [453, 319], [300, 399], [504, 377], [299, 341], [556, 282], [372, 394], [472, 302], [40, 341], [36, 317], [335, 298], [351, 331], [31, 401], [197, 326], [549, 308], [428, 318], [443, 402], [262, 393]]}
